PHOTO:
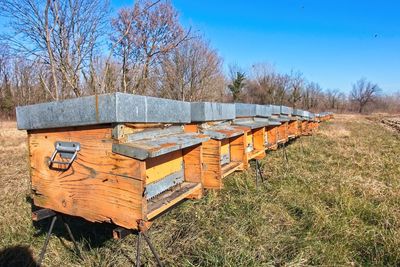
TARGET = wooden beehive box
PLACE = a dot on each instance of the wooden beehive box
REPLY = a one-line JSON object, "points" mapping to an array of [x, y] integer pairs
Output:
{"points": [[292, 127], [271, 133], [224, 152], [306, 127], [115, 158], [297, 114], [283, 133], [254, 118]]}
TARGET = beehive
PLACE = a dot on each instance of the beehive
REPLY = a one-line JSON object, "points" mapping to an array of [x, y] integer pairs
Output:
{"points": [[313, 122], [115, 158], [297, 114], [306, 128], [224, 152], [292, 127], [256, 139], [283, 133]]}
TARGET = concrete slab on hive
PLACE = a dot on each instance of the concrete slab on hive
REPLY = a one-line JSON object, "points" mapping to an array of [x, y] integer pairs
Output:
{"points": [[100, 109], [208, 111]]}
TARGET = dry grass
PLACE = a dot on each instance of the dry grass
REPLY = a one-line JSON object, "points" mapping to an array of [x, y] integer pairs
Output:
{"points": [[337, 202]]}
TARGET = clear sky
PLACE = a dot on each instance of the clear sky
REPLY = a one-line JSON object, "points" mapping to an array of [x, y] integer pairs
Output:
{"points": [[333, 43]]}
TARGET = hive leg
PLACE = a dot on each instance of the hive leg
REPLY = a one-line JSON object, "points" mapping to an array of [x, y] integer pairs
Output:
{"points": [[71, 236], [46, 242], [48, 213]]}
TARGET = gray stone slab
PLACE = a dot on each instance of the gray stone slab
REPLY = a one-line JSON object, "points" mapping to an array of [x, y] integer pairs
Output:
{"points": [[252, 110], [106, 108], [208, 111]]}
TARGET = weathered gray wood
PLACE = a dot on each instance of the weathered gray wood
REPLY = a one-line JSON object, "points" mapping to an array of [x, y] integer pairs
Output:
{"points": [[251, 123], [220, 132], [157, 146]]}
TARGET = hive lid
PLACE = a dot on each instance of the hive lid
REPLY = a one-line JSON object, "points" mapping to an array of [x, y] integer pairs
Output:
{"points": [[99, 109], [270, 121], [276, 110], [281, 119], [252, 110], [220, 132], [286, 110], [208, 111], [297, 112], [158, 145], [306, 114], [250, 123]]}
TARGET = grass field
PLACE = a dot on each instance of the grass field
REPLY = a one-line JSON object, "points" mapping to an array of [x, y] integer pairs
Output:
{"points": [[336, 202]]}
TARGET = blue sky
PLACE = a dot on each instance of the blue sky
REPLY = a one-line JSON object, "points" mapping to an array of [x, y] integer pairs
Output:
{"points": [[333, 43]]}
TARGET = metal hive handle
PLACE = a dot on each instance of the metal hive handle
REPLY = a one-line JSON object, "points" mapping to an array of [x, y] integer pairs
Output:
{"points": [[67, 150]]}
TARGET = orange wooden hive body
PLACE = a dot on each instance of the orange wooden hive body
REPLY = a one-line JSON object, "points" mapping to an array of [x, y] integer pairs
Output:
{"points": [[123, 173]]}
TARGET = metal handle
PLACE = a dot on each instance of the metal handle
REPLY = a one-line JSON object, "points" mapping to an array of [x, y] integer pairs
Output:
{"points": [[68, 150]]}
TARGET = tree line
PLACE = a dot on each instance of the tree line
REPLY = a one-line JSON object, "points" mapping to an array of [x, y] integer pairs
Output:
{"points": [[59, 49]]}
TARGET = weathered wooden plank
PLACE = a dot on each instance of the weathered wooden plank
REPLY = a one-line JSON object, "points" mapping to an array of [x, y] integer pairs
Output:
{"points": [[192, 159], [212, 164], [171, 198], [100, 186]]}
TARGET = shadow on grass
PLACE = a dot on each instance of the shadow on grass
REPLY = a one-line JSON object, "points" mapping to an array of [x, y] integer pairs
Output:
{"points": [[88, 234], [17, 256]]}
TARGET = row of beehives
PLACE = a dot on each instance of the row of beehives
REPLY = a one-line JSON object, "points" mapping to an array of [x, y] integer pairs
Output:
{"points": [[125, 159]]}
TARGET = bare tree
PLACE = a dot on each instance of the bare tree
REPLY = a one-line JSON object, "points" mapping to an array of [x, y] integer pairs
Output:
{"points": [[191, 72], [364, 92], [147, 32], [311, 96], [297, 82], [267, 86], [60, 33]]}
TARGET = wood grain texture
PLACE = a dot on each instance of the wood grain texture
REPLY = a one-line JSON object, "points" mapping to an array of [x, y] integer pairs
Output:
{"points": [[237, 147], [100, 186], [282, 132], [272, 135], [212, 164], [193, 159]]}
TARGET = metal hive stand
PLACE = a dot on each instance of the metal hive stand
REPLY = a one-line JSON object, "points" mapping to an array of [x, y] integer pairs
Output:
{"points": [[258, 172], [120, 233], [45, 214]]}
